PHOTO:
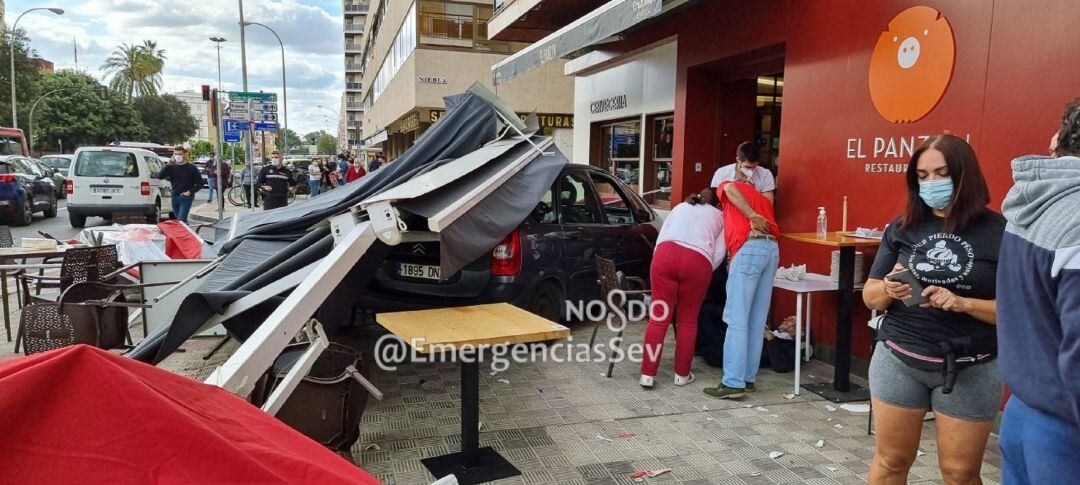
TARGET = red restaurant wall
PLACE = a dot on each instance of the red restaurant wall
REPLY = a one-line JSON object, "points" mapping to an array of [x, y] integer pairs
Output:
{"points": [[1015, 70]]}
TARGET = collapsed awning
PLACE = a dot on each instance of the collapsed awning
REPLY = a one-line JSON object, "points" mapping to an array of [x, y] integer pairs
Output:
{"points": [[606, 21]]}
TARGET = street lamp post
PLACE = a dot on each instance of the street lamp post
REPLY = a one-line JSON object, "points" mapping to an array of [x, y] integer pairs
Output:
{"points": [[11, 45], [284, 89], [217, 114]]}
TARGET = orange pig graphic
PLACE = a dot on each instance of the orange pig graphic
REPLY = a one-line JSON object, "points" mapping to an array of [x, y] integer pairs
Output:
{"points": [[912, 64]]}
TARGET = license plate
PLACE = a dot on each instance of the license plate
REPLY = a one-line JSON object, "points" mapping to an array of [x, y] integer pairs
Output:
{"points": [[421, 271], [106, 190]]}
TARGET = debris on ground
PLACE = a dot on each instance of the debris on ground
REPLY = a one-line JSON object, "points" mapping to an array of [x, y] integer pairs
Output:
{"points": [[856, 408], [819, 444], [627, 434], [920, 453], [600, 437], [504, 381], [493, 373], [704, 408], [830, 408], [761, 409], [372, 447], [831, 468], [775, 454], [640, 476], [748, 405], [775, 415], [656, 473], [789, 396], [755, 474], [838, 426]]}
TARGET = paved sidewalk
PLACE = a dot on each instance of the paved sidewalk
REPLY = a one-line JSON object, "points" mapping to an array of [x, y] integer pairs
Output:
{"points": [[207, 213]]}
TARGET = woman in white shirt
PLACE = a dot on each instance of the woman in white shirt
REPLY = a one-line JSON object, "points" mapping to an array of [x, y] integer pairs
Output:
{"points": [[314, 178], [690, 246]]}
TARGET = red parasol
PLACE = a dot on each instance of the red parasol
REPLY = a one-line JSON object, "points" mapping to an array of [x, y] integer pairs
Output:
{"points": [[84, 415]]}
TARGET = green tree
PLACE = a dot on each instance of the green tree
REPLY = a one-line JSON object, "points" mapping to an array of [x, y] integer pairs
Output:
{"points": [[234, 152], [136, 69], [313, 137], [27, 78], [294, 141], [81, 111], [202, 148], [326, 145], [167, 118]]}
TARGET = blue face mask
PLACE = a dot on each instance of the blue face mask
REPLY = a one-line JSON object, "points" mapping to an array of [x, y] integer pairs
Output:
{"points": [[936, 193]]}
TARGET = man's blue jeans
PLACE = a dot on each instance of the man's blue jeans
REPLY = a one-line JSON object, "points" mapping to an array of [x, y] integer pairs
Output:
{"points": [[749, 293], [314, 185], [1037, 447], [181, 205], [211, 183]]}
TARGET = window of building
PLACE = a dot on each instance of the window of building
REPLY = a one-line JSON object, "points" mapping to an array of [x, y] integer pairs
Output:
{"points": [[620, 151], [770, 100], [402, 47], [657, 178], [460, 25]]}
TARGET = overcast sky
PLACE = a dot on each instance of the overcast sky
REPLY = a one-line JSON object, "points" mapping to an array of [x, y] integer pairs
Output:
{"points": [[310, 29]]}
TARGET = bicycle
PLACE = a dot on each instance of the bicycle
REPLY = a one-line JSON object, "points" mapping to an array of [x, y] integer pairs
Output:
{"points": [[238, 194]]}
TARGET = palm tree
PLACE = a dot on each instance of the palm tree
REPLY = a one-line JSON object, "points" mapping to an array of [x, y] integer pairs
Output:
{"points": [[136, 69]]}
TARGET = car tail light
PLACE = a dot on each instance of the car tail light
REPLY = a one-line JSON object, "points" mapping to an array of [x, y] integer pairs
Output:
{"points": [[7, 178], [69, 186], [144, 188], [506, 257]]}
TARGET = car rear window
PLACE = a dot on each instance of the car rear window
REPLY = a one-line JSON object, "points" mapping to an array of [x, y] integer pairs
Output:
{"points": [[56, 162], [106, 164]]}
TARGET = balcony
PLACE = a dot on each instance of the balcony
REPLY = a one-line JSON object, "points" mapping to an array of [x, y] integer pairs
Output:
{"points": [[354, 86], [354, 47], [356, 7], [354, 105], [353, 67], [354, 27]]}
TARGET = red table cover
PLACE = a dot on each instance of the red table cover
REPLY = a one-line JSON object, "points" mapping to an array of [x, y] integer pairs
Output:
{"points": [[180, 241], [84, 415]]}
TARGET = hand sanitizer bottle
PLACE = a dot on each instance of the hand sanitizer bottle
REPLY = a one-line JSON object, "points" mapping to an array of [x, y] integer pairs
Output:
{"points": [[822, 223]]}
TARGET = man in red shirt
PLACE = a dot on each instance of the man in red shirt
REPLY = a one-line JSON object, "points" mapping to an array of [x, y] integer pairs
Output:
{"points": [[750, 230]]}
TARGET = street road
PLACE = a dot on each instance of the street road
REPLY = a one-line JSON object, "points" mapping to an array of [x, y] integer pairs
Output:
{"points": [[58, 227]]}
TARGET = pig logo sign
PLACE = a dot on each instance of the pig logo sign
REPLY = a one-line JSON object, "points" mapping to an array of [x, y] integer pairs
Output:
{"points": [[912, 64]]}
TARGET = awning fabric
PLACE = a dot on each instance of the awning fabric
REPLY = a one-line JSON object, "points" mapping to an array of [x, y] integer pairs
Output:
{"points": [[607, 20], [83, 415]]}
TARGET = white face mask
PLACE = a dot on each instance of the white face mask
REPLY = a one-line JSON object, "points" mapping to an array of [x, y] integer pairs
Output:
{"points": [[748, 173], [178, 158]]}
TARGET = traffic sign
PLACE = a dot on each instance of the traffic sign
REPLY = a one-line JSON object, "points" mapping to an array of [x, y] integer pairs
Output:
{"points": [[266, 126], [264, 107], [235, 125], [265, 117], [261, 97], [232, 137]]}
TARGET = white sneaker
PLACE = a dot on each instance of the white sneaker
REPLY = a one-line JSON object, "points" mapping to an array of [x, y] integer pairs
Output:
{"points": [[682, 381], [646, 381]]}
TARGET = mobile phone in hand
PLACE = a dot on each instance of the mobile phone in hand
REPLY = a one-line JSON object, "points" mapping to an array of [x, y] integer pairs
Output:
{"points": [[905, 276]]}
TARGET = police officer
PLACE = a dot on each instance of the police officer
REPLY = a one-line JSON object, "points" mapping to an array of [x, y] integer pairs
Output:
{"points": [[276, 182]]}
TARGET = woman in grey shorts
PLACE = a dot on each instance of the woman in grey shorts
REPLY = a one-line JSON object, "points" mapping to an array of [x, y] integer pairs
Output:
{"points": [[939, 354]]}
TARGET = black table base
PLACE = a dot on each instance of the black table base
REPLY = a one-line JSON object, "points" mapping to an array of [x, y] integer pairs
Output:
{"points": [[472, 464], [826, 390], [488, 466]]}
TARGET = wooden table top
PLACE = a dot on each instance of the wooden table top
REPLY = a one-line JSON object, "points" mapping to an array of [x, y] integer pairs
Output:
{"points": [[492, 324], [832, 239], [19, 253]]}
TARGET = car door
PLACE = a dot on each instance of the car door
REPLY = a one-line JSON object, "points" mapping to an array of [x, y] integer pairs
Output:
{"points": [[37, 185], [583, 234], [625, 228], [158, 186]]}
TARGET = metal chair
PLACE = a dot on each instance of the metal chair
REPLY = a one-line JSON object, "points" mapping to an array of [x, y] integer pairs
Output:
{"points": [[614, 286], [76, 268], [49, 326]]}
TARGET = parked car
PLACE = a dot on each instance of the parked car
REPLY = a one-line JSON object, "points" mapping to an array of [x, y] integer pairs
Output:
{"points": [[59, 162], [51, 174], [548, 260], [23, 191], [109, 180]]}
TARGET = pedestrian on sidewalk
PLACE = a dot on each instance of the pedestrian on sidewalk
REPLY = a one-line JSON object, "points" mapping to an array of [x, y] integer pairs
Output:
{"points": [[185, 180], [750, 231], [342, 166], [375, 164], [938, 355], [215, 169], [211, 179], [355, 171], [246, 181], [690, 246], [276, 182], [314, 178], [330, 175], [1039, 313]]}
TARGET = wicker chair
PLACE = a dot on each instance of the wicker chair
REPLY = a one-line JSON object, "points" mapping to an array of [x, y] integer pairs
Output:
{"points": [[79, 265], [611, 280], [6, 241]]}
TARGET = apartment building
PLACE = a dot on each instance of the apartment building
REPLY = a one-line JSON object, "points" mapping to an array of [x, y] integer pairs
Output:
{"points": [[351, 114], [200, 110], [417, 52]]}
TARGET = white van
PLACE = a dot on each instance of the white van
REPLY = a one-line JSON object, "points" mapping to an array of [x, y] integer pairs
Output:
{"points": [[103, 181]]}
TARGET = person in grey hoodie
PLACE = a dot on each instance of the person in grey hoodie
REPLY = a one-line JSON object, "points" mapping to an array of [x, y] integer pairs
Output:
{"points": [[1039, 313]]}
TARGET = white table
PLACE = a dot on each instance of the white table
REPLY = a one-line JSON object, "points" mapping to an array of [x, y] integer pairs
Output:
{"points": [[810, 284]]}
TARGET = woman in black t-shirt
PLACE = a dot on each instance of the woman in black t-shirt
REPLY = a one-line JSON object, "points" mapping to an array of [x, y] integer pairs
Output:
{"points": [[938, 355]]}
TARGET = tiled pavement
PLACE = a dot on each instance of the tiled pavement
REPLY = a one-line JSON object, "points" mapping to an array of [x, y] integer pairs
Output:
{"points": [[565, 423]]}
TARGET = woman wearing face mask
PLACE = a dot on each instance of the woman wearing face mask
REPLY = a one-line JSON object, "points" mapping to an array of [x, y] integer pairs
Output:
{"points": [[938, 355], [355, 171]]}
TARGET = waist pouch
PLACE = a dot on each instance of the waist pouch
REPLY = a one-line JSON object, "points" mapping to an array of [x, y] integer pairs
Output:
{"points": [[956, 354]]}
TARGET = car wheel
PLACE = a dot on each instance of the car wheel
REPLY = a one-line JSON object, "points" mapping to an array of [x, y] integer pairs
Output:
{"points": [[154, 217], [76, 221], [51, 211], [25, 214], [546, 302]]}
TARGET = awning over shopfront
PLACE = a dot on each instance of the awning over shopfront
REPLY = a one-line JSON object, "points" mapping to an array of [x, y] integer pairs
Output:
{"points": [[606, 21]]}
